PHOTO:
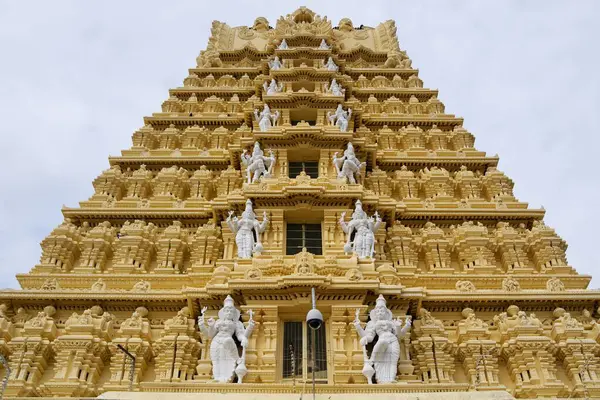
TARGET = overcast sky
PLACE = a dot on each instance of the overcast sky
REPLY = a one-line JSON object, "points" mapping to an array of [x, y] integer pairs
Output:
{"points": [[77, 77]]}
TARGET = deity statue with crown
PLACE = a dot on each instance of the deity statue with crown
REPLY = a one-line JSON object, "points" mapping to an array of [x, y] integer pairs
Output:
{"points": [[226, 360], [273, 87], [257, 164], [364, 228], [276, 64], [266, 118], [340, 118], [348, 166], [383, 362], [243, 227]]}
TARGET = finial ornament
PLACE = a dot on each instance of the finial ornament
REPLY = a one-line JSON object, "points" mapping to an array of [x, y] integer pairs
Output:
{"points": [[383, 361], [243, 227], [224, 355]]}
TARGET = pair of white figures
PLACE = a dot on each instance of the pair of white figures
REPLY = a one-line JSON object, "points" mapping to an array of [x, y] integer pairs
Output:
{"points": [[382, 364], [247, 228], [277, 64], [273, 87], [267, 118], [323, 46]]}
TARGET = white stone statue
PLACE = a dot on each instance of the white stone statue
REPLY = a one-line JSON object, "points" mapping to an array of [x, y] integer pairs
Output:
{"points": [[276, 64], [257, 164], [383, 362], [323, 45], [348, 166], [335, 88], [365, 228], [273, 87], [266, 118], [340, 118], [330, 65], [223, 351], [242, 228], [283, 45]]}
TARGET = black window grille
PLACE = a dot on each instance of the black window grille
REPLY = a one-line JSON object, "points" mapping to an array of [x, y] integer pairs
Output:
{"points": [[299, 236], [311, 168]]}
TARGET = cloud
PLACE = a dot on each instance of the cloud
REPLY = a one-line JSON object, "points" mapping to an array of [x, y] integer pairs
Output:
{"points": [[77, 78]]}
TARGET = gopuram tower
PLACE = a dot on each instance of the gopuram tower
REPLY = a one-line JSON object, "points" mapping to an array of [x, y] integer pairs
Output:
{"points": [[304, 155]]}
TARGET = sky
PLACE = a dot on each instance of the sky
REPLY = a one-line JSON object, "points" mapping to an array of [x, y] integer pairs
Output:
{"points": [[77, 77]]}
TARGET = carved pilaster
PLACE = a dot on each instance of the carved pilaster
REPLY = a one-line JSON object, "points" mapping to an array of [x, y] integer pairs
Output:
{"points": [[134, 335], [206, 247], [433, 350], [60, 249], [473, 245], [261, 355], [578, 354], [436, 248], [96, 248], [177, 350], [348, 356], [172, 249], [134, 247], [526, 351], [31, 353], [477, 352], [81, 354]]}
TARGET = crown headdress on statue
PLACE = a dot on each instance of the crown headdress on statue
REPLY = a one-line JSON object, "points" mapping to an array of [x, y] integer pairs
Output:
{"points": [[359, 213], [379, 304], [248, 212], [228, 303]]}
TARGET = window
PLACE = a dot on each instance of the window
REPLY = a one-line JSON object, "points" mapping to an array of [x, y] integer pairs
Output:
{"points": [[299, 236], [297, 354], [311, 168]]}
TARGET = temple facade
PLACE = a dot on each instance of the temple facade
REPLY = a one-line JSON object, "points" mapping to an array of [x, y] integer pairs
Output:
{"points": [[296, 156]]}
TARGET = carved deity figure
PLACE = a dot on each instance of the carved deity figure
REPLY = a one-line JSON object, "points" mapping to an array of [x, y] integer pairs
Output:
{"points": [[257, 164], [273, 87], [364, 229], [340, 118], [266, 118], [276, 64], [334, 89], [324, 45], [330, 65], [223, 351], [283, 45], [383, 362], [242, 228], [348, 166]]}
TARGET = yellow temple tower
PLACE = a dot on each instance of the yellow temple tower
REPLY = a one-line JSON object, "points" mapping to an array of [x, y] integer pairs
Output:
{"points": [[304, 155]]}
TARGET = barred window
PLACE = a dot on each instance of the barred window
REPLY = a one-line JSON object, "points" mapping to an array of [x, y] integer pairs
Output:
{"points": [[311, 168], [297, 354], [299, 236]]}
